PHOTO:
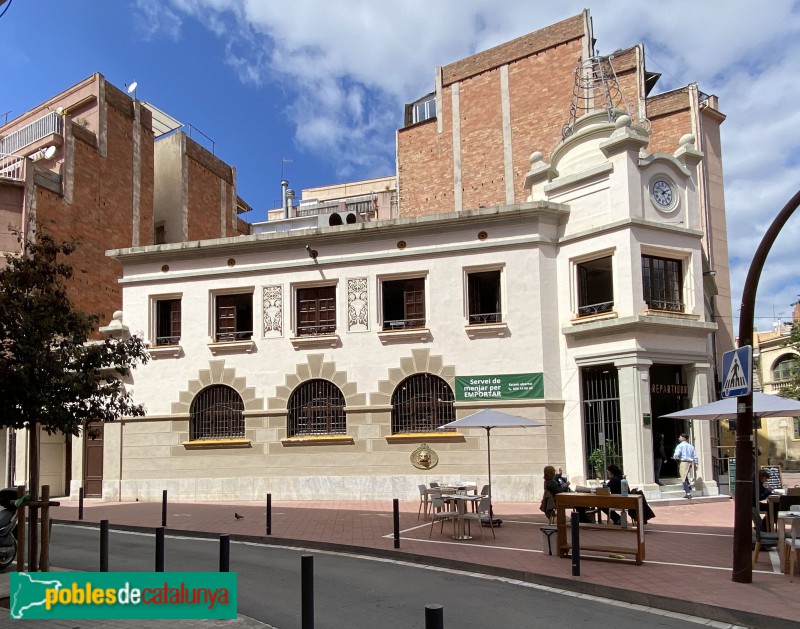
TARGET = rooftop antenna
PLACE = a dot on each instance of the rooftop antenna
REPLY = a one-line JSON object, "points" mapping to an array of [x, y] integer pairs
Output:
{"points": [[132, 88]]}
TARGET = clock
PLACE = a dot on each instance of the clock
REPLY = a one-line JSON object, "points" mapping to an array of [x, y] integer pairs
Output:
{"points": [[662, 193]]}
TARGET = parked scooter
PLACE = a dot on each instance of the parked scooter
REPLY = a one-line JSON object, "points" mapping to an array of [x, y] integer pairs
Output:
{"points": [[8, 525]]}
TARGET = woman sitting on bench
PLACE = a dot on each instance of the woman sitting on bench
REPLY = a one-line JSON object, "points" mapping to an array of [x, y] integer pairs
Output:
{"points": [[615, 485]]}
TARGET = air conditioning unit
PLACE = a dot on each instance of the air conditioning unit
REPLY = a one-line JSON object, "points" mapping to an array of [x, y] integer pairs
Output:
{"points": [[332, 219]]}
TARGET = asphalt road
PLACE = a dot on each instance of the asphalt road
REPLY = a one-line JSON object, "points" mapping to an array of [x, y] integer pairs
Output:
{"points": [[353, 592]]}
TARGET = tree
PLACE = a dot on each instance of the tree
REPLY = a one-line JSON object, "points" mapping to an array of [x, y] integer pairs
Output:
{"points": [[52, 375]]}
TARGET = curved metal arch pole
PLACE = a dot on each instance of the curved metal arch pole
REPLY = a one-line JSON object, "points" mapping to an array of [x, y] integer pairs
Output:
{"points": [[745, 466]]}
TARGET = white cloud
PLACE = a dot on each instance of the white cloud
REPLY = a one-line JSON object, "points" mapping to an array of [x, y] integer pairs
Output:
{"points": [[156, 19], [349, 66]]}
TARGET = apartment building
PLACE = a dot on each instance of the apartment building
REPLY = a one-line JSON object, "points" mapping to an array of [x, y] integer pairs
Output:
{"points": [[93, 163]]}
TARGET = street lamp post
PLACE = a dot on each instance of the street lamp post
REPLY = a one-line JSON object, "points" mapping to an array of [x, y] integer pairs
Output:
{"points": [[744, 493]]}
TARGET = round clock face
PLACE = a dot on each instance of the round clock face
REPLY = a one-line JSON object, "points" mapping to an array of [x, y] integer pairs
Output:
{"points": [[662, 193]]}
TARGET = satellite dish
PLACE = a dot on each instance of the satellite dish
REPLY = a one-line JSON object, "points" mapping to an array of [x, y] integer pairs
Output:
{"points": [[132, 87], [60, 111], [49, 152]]}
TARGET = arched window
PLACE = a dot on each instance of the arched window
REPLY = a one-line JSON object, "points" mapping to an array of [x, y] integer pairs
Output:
{"points": [[421, 403], [217, 413], [316, 407], [785, 368]]}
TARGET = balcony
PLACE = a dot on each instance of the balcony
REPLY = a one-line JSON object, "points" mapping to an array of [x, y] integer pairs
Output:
{"points": [[47, 125], [12, 167]]}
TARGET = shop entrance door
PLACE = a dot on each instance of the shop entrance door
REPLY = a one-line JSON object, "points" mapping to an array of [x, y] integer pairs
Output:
{"points": [[668, 393]]}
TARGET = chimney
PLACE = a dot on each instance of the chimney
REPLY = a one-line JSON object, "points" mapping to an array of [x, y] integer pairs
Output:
{"points": [[284, 197]]}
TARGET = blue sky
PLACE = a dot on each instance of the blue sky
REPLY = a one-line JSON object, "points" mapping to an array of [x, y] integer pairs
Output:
{"points": [[323, 84]]}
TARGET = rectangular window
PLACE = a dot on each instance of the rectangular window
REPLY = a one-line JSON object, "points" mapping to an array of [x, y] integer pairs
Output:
{"points": [[316, 310], [662, 280], [484, 297], [168, 322], [796, 422], [595, 287], [403, 304], [424, 109], [234, 317]]}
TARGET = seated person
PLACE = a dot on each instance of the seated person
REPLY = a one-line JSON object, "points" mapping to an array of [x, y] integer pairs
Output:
{"points": [[552, 485], [615, 485], [561, 479], [763, 505]]}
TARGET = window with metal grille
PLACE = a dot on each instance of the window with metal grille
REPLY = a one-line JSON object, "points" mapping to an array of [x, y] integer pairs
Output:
{"points": [[316, 407], [421, 403], [168, 322], [484, 297], [403, 304], [601, 419], [662, 280], [595, 287], [234, 317], [217, 413], [316, 310]]}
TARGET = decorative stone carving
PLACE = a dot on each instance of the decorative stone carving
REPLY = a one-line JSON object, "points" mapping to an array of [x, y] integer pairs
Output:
{"points": [[357, 305], [273, 310]]}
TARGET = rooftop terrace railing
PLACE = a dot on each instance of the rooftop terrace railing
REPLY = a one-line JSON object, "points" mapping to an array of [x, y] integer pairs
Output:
{"points": [[48, 124]]}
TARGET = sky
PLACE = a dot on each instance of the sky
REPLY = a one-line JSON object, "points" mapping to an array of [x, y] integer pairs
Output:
{"points": [[314, 90]]}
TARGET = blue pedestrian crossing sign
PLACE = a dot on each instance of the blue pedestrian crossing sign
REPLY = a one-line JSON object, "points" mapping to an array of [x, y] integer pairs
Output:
{"points": [[737, 372]]}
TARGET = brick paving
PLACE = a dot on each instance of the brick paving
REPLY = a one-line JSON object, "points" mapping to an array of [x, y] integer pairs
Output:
{"points": [[687, 568]]}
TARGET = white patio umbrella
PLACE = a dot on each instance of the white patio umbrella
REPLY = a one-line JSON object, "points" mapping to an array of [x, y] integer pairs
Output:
{"points": [[764, 405], [488, 419]]}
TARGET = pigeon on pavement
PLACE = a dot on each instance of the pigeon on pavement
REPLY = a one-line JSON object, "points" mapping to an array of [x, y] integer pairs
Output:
{"points": [[237, 516]]}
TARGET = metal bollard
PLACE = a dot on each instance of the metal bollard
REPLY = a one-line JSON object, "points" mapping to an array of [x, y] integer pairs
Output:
{"points": [[224, 553], [80, 503], [434, 617], [269, 514], [576, 544], [307, 591], [164, 509], [160, 549], [103, 545], [396, 517]]}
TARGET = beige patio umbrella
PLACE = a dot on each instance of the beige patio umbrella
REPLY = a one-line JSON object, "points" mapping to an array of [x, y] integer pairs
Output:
{"points": [[488, 419]]}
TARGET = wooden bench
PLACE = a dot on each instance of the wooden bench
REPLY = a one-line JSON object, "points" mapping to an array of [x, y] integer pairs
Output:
{"points": [[634, 530]]}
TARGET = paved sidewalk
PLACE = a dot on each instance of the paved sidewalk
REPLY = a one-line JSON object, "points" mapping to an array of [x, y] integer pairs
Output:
{"points": [[689, 550]]}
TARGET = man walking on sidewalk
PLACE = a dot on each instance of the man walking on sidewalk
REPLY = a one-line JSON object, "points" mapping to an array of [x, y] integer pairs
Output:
{"points": [[687, 460]]}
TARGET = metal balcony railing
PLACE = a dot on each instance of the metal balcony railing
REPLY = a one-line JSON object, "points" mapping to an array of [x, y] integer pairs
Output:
{"points": [[404, 324], [316, 330], [228, 337], [168, 340], [485, 317], [593, 309], [12, 167], [660, 304], [48, 124]]}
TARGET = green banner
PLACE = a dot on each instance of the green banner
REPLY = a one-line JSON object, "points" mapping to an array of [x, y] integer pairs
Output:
{"points": [[118, 595], [512, 386]]}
